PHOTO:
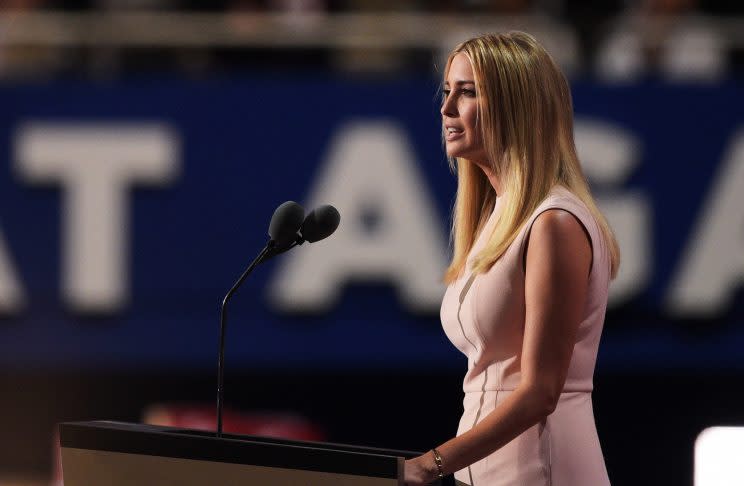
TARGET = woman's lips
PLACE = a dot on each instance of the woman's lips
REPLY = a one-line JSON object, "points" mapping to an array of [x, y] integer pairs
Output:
{"points": [[453, 134]]}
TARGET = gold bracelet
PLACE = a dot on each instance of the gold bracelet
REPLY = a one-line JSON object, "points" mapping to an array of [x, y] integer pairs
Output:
{"points": [[438, 462]]}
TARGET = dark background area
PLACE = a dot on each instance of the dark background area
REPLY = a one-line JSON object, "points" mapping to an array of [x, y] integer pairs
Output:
{"points": [[647, 422]]}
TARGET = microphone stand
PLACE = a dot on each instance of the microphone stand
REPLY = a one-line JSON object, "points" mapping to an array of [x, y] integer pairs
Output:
{"points": [[223, 322], [329, 223]]}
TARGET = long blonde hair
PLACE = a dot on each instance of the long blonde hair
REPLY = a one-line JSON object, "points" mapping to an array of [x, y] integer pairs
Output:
{"points": [[526, 117]]}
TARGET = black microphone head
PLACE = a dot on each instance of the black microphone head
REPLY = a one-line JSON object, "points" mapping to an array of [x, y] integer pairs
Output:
{"points": [[320, 223], [285, 223]]}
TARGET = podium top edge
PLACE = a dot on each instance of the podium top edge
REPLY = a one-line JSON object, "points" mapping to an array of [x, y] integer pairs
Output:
{"points": [[194, 444]]}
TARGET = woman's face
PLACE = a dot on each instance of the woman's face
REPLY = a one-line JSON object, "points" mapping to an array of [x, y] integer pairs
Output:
{"points": [[462, 133]]}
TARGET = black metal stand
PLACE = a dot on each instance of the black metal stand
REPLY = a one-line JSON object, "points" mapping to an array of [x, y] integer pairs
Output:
{"points": [[223, 324]]}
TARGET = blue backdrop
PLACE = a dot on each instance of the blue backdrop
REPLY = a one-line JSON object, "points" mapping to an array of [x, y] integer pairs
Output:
{"points": [[246, 145]]}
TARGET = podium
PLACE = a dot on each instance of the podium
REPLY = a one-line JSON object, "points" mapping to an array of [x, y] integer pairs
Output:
{"points": [[125, 454]]}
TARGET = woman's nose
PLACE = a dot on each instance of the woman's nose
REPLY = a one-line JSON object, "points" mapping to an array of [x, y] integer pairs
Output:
{"points": [[448, 108]]}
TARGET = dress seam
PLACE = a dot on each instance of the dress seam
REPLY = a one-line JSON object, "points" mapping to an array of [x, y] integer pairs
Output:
{"points": [[474, 310], [463, 295]]}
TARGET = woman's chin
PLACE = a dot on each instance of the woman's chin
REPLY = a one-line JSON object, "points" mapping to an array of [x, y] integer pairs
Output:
{"points": [[453, 152]]}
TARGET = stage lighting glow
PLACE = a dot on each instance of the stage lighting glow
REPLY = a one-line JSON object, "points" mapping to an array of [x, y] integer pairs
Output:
{"points": [[718, 457]]}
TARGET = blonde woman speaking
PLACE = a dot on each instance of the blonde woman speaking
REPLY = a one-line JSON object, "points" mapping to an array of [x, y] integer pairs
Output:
{"points": [[529, 277]]}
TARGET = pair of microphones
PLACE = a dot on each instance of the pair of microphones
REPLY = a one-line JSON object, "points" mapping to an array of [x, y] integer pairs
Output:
{"points": [[289, 227]]}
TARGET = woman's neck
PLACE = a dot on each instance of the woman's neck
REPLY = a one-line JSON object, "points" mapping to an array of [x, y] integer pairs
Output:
{"points": [[492, 178]]}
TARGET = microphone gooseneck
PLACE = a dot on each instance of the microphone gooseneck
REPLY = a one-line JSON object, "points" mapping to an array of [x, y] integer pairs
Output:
{"points": [[223, 328], [288, 228], [283, 231]]}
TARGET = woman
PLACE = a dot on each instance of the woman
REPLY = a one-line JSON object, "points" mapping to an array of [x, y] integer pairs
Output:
{"points": [[528, 281]]}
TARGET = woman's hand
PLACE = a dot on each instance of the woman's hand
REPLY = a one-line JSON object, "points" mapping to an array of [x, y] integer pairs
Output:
{"points": [[420, 470]]}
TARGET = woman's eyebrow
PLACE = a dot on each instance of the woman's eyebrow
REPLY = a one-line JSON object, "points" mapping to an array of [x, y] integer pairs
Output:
{"points": [[460, 82]]}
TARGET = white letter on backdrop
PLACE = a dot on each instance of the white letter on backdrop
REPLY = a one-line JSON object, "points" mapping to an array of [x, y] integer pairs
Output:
{"points": [[712, 266], [609, 154], [96, 164], [390, 229], [12, 295]]}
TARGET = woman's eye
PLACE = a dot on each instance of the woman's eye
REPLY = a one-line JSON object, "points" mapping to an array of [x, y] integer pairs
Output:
{"points": [[470, 93]]}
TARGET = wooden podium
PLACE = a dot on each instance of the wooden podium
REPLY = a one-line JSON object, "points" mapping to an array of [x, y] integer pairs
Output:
{"points": [[123, 454]]}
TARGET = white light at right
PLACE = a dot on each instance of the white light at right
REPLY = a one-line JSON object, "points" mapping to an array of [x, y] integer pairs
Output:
{"points": [[719, 457]]}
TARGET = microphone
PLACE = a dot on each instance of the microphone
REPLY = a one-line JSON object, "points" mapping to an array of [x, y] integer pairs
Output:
{"points": [[285, 222], [320, 223], [283, 233]]}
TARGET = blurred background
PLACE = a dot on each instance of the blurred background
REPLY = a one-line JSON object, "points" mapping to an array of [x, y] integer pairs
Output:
{"points": [[144, 145]]}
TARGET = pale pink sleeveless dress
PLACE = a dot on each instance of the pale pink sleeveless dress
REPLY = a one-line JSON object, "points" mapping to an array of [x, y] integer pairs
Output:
{"points": [[484, 317]]}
